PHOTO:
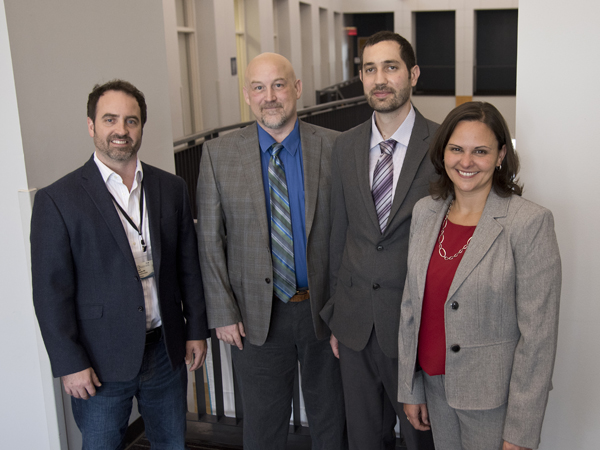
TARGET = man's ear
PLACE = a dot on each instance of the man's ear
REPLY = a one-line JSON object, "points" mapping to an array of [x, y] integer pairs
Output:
{"points": [[90, 127], [246, 96], [414, 75]]}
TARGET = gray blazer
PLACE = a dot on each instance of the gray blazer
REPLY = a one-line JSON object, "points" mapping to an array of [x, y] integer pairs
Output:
{"points": [[368, 268], [507, 289], [233, 233]]}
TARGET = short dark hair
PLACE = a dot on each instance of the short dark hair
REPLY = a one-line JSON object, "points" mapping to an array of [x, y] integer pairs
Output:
{"points": [[406, 51], [116, 85], [504, 181]]}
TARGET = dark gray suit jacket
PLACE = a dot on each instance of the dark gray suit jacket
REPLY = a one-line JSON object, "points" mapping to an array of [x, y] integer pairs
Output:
{"points": [[86, 290], [233, 233], [367, 268]]}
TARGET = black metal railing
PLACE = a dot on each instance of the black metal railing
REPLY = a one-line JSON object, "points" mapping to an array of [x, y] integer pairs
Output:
{"points": [[218, 417], [346, 89], [340, 115]]}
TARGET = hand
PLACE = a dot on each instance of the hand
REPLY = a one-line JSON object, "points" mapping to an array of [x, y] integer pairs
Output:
{"points": [[232, 334], [81, 384], [509, 446], [195, 354], [335, 346], [418, 416]]}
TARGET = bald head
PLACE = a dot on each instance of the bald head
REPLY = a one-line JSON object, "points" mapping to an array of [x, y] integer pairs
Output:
{"points": [[271, 89], [269, 62]]}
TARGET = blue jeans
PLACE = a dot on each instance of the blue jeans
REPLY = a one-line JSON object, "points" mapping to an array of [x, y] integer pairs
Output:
{"points": [[161, 394]]}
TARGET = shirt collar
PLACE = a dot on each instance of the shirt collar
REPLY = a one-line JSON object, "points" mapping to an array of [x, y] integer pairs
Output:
{"points": [[290, 143], [401, 135], [107, 173]]}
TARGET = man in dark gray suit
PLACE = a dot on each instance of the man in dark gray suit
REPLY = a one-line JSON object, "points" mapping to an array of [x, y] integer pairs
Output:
{"points": [[116, 281], [263, 228], [379, 171]]}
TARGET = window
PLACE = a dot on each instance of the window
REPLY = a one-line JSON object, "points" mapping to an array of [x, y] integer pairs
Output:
{"points": [[496, 54], [435, 49]]}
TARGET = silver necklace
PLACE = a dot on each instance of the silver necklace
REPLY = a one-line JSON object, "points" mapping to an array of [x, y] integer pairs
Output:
{"points": [[441, 250]]}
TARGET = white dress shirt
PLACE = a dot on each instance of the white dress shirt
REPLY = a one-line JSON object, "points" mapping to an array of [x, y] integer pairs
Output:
{"points": [[401, 136], [130, 202]]}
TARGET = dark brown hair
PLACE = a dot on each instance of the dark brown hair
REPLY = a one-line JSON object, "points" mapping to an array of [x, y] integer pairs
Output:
{"points": [[504, 181], [116, 85], [406, 51]]}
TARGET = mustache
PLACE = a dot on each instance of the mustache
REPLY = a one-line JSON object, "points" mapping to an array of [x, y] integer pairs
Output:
{"points": [[272, 105], [120, 137], [381, 88]]}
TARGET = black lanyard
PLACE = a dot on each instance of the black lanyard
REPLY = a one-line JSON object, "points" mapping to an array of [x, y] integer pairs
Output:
{"points": [[139, 230]]}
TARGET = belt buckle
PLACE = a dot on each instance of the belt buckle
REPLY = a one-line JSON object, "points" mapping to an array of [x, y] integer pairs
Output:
{"points": [[300, 296]]}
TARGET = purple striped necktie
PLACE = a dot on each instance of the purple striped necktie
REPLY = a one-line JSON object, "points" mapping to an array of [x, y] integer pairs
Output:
{"points": [[383, 181]]}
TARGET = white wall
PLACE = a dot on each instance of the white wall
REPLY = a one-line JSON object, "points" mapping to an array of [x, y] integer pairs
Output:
{"points": [[23, 404], [557, 119], [51, 55], [60, 50]]}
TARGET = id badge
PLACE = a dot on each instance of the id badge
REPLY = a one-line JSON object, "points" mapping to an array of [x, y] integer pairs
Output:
{"points": [[145, 268]]}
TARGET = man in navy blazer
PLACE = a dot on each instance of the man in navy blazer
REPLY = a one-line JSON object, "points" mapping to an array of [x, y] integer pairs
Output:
{"points": [[116, 281]]}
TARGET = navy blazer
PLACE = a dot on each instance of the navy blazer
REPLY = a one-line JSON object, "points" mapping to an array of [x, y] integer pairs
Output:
{"points": [[87, 294]]}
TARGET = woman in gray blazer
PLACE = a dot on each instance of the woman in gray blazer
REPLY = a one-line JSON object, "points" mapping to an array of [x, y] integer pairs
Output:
{"points": [[479, 315]]}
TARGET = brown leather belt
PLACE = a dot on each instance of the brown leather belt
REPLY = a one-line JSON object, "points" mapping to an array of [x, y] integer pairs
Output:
{"points": [[300, 296]]}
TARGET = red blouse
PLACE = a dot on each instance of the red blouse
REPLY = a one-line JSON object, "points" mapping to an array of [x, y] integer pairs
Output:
{"points": [[432, 334]]}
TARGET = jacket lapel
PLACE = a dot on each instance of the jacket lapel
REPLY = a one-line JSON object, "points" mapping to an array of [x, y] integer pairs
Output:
{"points": [[93, 184], [433, 222], [361, 155], [152, 199], [484, 236], [249, 150], [311, 158], [416, 151]]}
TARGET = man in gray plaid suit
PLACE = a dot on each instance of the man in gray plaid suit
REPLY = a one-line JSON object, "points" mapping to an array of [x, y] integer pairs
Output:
{"points": [[263, 229]]}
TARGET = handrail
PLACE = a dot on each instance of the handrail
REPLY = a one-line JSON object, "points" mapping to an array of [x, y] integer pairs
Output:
{"points": [[214, 132], [337, 86], [331, 105]]}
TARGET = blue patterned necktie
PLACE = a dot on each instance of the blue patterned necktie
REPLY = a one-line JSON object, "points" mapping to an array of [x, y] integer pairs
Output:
{"points": [[383, 181], [282, 243]]}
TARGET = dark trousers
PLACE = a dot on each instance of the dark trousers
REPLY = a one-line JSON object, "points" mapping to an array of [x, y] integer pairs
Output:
{"points": [[265, 375], [370, 380]]}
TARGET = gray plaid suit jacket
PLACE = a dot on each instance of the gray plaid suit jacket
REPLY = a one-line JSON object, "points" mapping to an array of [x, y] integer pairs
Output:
{"points": [[233, 233]]}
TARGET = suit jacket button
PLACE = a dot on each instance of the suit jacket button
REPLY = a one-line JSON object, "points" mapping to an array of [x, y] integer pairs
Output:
{"points": [[455, 348], [140, 308], [267, 280], [375, 286], [454, 305], [379, 248]]}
